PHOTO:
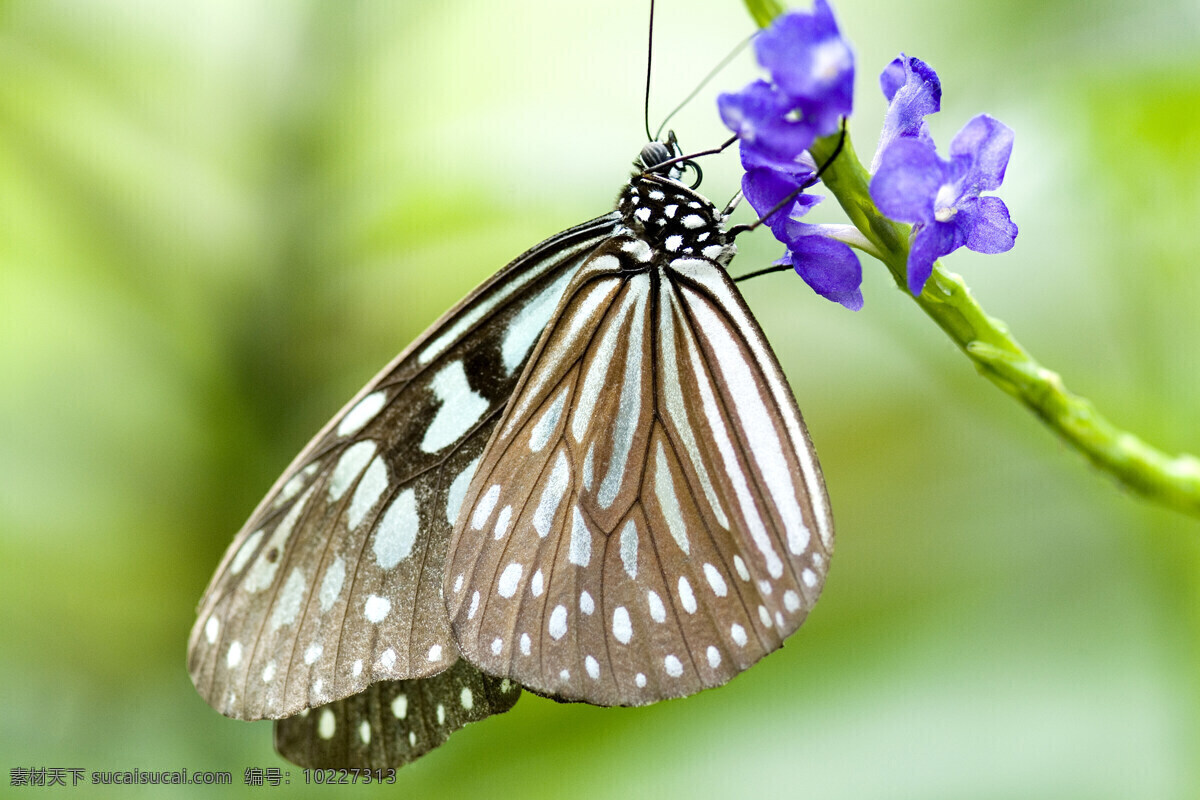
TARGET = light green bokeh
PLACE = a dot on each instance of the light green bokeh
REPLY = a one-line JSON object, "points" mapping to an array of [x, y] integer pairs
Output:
{"points": [[218, 219]]}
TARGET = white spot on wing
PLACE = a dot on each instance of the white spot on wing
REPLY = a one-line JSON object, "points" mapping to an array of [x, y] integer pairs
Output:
{"points": [[526, 644], [629, 548], [374, 482], [484, 506], [387, 660], [397, 531], [287, 604], [715, 580], [581, 540], [589, 465], [326, 725], [461, 407], [586, 604], [547, 423], [361, 414], [552, 495], [622, 627], [558, 622], [313, 653], [714, 656], [400, 706], [535, 584], [685, 595], [509, 578], [377, 608], [211, 629], [331, 584], [268, 673], [658, 611], [791, 600], [458, 491], [466, 698], [673, 666], [593, 667], [234, 656], [435, 653], [349, 465], [244, 552], [740, 566], [502, 520], [364, 732], [738, 633]]}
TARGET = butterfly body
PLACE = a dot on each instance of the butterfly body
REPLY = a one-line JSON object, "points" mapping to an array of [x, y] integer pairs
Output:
{"points": [[588, 478]]}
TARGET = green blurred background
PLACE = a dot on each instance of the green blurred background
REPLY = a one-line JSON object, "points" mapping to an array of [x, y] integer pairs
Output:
{"points": [[218, 219]]}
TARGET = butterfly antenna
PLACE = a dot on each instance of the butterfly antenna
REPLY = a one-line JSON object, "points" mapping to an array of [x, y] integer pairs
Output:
{"points": [[649, 64], [724, 62]]}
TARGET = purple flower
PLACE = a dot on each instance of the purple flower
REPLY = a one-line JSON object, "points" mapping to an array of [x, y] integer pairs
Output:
{"points": [[913, 92], [811, 87], [941, 198]]}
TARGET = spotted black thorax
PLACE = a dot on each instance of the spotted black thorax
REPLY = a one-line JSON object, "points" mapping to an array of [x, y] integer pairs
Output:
{"points": [[674, 220]]}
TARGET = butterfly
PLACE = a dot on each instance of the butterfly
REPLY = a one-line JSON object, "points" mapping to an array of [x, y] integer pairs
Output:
{"points": [[590, 478]]}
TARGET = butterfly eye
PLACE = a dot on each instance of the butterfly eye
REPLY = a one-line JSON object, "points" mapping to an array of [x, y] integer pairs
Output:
{"points": [[653, 154]]}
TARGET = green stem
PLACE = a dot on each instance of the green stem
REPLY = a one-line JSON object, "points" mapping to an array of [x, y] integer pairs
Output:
{"points": [[1173, 481]]}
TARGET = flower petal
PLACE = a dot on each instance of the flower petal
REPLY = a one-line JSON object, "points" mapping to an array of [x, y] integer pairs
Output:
{"points": [[914, 91], [981, 150], [810, 61], [828, 266], [909, 176], [987, 226], [927, 244]]}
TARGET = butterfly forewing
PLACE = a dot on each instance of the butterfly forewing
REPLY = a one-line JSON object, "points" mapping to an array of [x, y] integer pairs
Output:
{"points": [[393, 722], [649, 518], [335, 581]]}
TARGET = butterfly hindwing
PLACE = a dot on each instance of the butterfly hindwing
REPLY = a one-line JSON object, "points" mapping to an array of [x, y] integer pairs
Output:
{"points": [[334, 583], [649, 518], [393, 722]]}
